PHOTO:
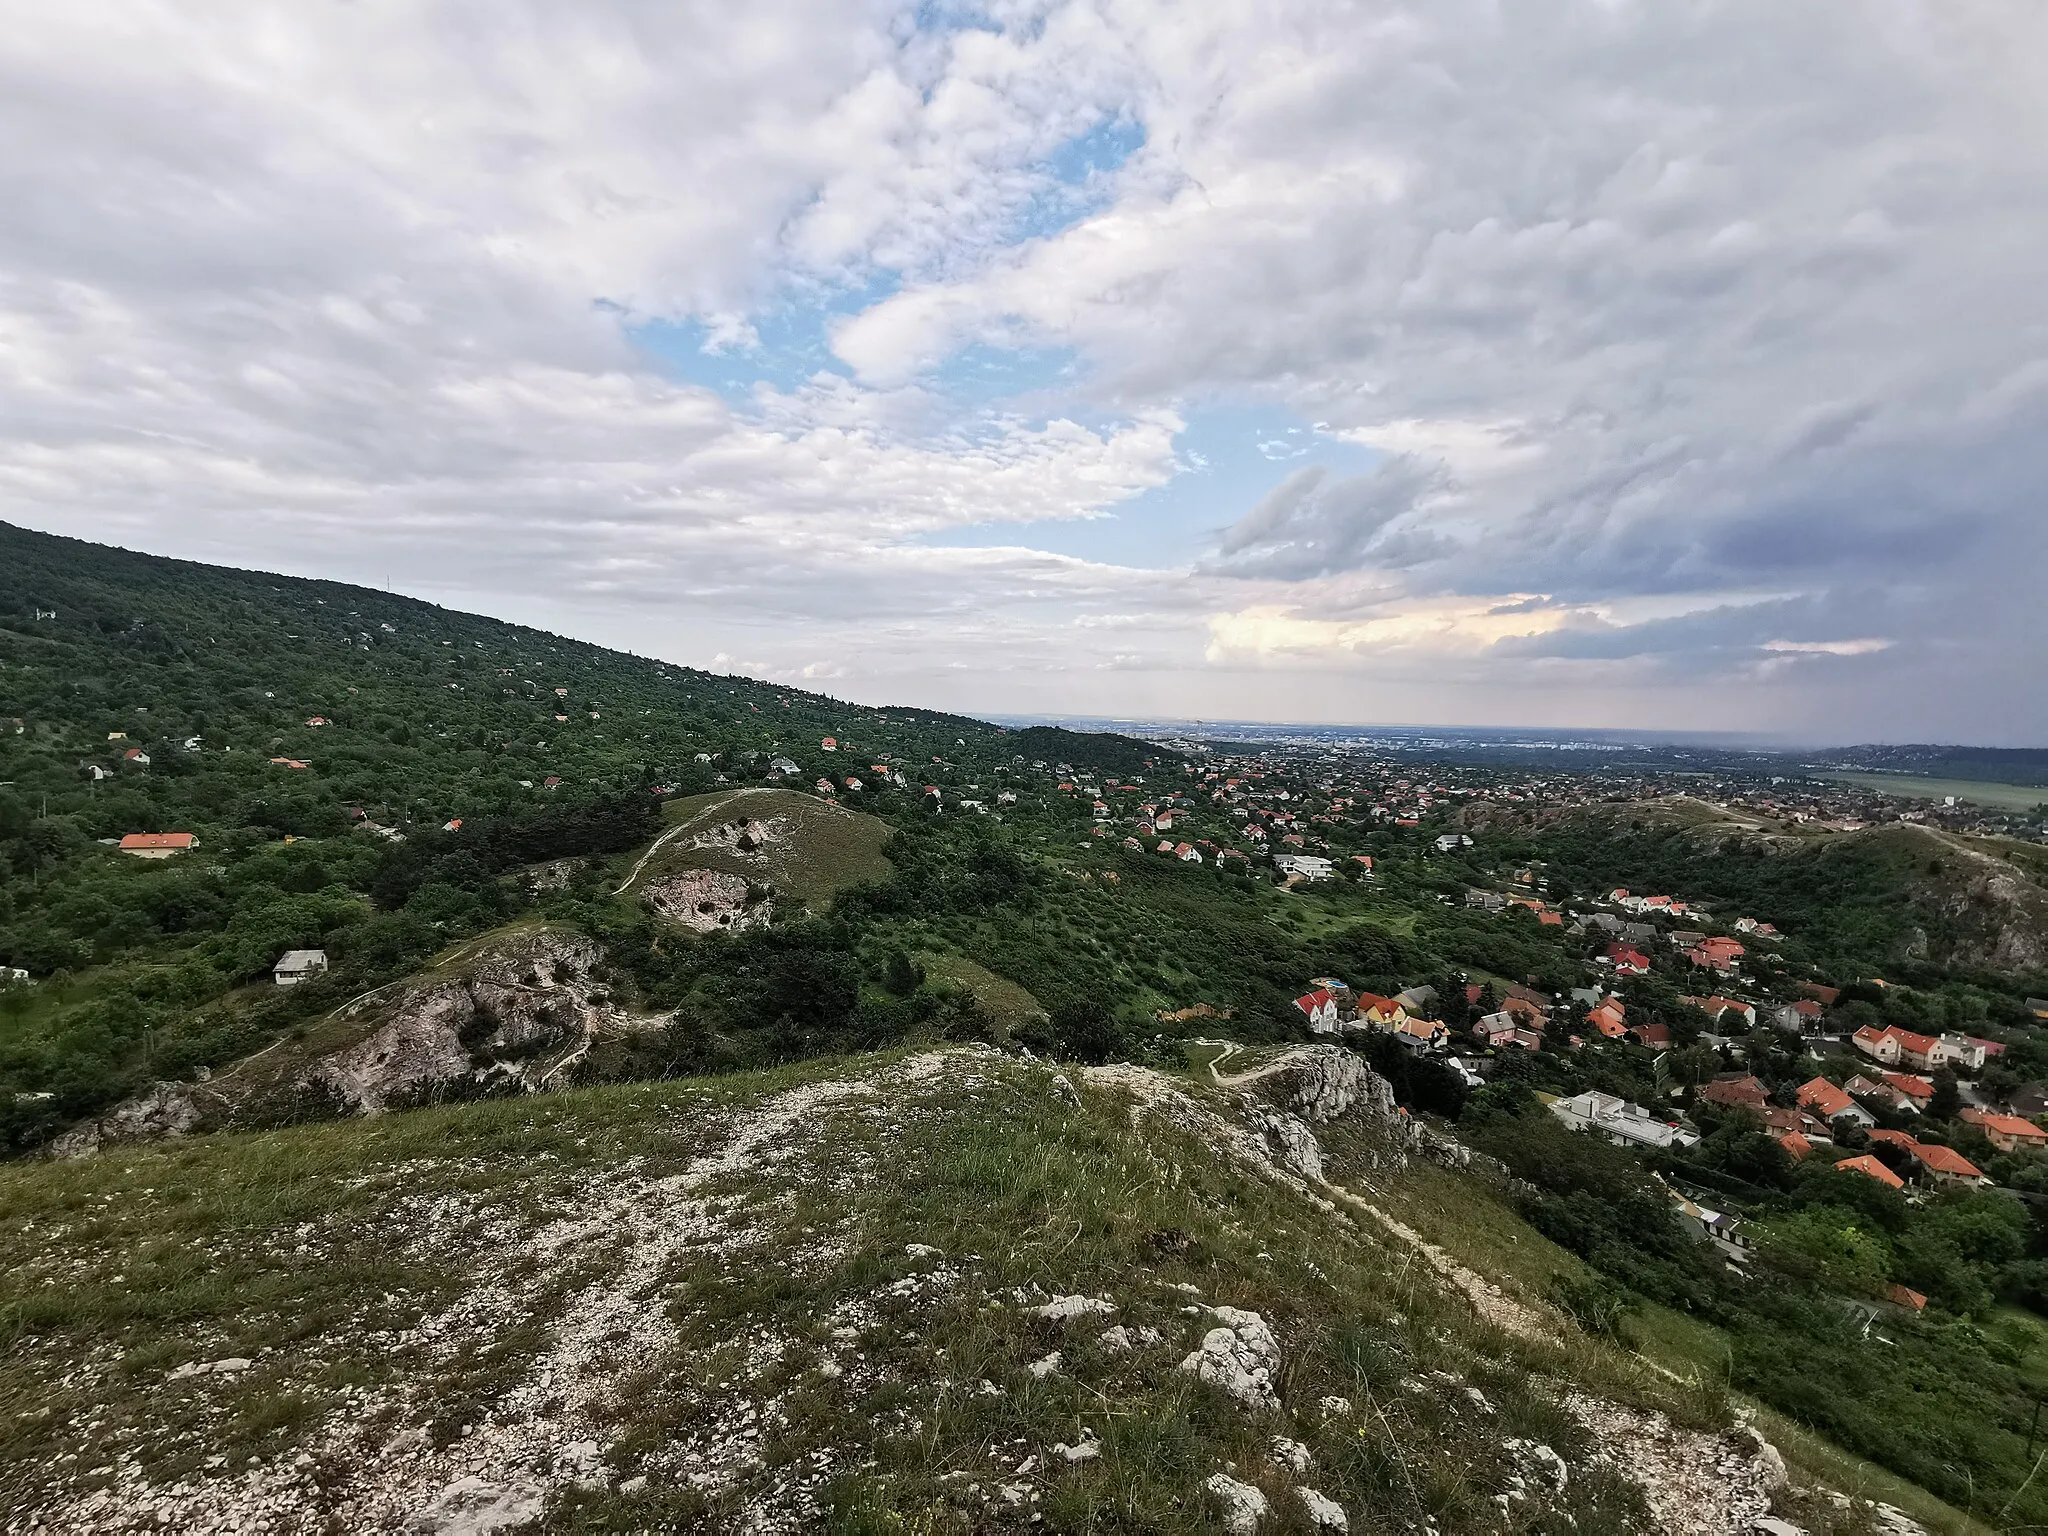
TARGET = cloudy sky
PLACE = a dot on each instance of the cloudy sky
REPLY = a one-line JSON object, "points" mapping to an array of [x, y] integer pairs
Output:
{"points": [[1662, 363]]}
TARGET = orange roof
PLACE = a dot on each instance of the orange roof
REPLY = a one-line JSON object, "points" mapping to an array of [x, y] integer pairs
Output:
{"points": [[143, 840], [1796, 1143], [1824, 1098], [2005, 1125], [1870, 1166], [1895, 1139], [1911, 1087], [1945, 1160], [1901, 1296]]}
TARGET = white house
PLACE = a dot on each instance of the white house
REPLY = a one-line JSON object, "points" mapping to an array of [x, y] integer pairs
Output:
{"points": [[299, 965], [1308, 866], [1621, 1122]]}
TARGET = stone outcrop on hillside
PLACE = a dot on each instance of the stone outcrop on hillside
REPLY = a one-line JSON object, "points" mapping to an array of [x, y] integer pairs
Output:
{"points": [[516, 1015], [166, 1109]]}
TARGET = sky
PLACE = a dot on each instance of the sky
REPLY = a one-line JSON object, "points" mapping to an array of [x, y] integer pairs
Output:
{"points": [[1578, 363]]}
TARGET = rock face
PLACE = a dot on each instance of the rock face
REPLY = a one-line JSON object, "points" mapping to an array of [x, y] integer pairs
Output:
{"points": [[535, 994], [167, 1109], [705, 900], [1326, 1082], [512, 1019]]}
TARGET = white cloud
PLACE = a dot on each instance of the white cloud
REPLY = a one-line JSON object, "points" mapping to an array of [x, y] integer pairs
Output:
{"points": [[1651, 310]]}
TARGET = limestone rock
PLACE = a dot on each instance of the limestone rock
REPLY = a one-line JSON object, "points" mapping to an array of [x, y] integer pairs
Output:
{"points": [[1323, 1510], [166, 1109], [469, 1506], [1243, 1505], [1241, 1356], [1291, 1454], [1064, 1309]]}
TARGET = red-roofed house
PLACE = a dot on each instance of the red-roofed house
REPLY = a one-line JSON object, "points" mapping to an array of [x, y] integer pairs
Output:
{"points": [[1796, 1143], [1734, 1093], [1320, 1009], [2008, 1133], [1870, 1167], [1824, 1100], [1917, 1089], [1656, 1036], [1894, 1047], [158, 845], [1629, 962], [1902, 1296], [1714, 1007], [1945, 1165]]}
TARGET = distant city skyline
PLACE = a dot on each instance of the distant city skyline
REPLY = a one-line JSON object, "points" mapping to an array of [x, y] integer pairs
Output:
{"points": [[1586, 366]]}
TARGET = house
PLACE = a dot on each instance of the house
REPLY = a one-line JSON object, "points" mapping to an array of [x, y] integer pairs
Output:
{"points": [[1892, 1047], [2008, 1133], [158, 845], [1364, 861], [1498, 1029], [453, 824], [1802, 1017], [829, 744], [1716, 1007], [1735, 1092], [289, 762], [1132, 845], [1823, 1099], [1451, 842], [1306, 866], [1916, 1089], [1421, 1034], [136, 756], [1656, 1037], [1621, 1122], [1716, 1227], [1609, 1019], [1187, 853], [1796, 1144], [1827, 997], [1486, 901], [1320, 1009], [1861, 1087], [1871, 1168], [299, 965], [1380, 1012], [1716, 954], [318, 720], [1905, 1298], [1945, 1165], [1628, 962]]}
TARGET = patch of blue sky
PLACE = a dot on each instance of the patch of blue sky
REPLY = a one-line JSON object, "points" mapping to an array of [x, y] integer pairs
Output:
{"points": [[1076, 177], [1233, 455], [792, 342]]}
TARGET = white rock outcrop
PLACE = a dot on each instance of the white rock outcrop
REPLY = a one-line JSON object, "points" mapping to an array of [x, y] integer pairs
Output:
{"points": [[1243, 1506], [1241, 1356]]}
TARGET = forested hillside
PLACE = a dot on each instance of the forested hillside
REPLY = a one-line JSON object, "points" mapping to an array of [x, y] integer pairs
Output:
{"points": [[361, 772]]}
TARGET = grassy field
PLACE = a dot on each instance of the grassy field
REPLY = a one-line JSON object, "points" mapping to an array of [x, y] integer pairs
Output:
{"points": [[1008, 1004], [2004, 797], [813, 1292], [813, 851]]}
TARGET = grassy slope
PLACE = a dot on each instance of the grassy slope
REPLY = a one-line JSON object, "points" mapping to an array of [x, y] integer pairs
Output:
{"points": [[399, 1281], [821, 849]]}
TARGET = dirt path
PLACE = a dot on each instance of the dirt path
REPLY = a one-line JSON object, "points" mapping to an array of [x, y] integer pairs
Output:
{"points": [[682, 827]]}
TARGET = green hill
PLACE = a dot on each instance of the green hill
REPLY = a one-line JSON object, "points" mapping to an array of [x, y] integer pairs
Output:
{"points": [[363, 773]]}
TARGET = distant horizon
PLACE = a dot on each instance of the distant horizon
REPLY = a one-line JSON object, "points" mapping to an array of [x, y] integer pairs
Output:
{"points": [[1747, 741]]}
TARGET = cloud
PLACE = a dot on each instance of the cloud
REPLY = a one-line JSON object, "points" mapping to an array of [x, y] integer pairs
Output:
{"points": [[1313, 525], [1700, 342]]}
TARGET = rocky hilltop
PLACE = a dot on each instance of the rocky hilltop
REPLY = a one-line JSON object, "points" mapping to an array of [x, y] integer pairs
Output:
{"points": [[948, 1291]]}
